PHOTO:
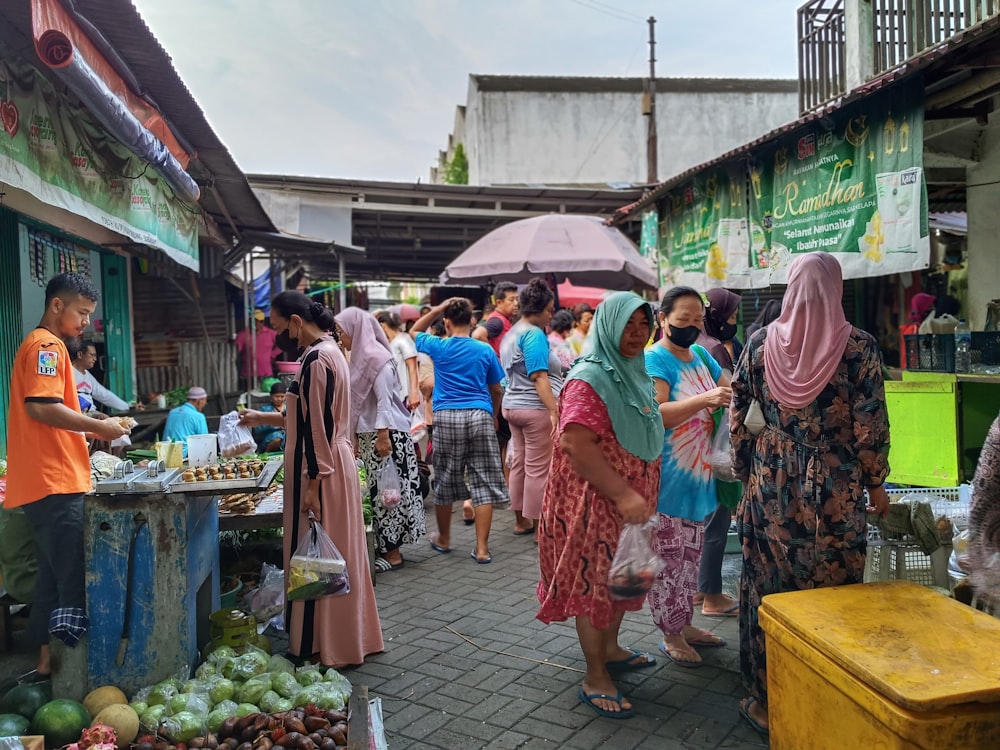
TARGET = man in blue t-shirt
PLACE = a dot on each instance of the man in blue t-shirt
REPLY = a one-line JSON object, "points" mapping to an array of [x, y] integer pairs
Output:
{"points": [[467, 395]]}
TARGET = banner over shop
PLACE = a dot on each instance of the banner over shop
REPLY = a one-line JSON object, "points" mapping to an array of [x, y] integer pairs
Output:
{"points": [[54, 149], [850, 184]]}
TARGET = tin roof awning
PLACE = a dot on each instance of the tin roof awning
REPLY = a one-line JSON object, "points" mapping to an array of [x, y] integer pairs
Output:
{"points": [[291, 248]]}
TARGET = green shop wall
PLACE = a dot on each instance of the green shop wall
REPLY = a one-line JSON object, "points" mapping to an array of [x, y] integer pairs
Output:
{"points": [[10, 312]]}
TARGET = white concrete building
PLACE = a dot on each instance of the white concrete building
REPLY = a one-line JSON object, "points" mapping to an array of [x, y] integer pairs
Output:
{"points": [[526, 130]]}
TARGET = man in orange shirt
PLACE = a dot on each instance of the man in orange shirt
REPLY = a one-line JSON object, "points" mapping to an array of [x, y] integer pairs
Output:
{"points": [[48, 466]]}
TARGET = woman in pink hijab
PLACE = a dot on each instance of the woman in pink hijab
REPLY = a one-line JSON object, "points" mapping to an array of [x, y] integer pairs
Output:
{"points": [[381, 425], [818, 381]]}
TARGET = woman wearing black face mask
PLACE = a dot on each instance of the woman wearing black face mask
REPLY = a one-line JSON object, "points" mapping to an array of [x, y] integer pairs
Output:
{"points": [[321, 478], [719, 339], [690, 385]]}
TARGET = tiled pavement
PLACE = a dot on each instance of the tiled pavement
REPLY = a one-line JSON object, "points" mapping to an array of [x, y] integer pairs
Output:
{"points": [[467, 665], [512, 681]]}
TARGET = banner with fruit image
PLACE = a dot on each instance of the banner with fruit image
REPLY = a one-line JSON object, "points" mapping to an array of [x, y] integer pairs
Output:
{"points": [[53, 149], [704, 230], [851, 184]]}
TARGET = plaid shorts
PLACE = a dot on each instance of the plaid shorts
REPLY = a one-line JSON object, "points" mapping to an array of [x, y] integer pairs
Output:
{"points": [[465, 446]]}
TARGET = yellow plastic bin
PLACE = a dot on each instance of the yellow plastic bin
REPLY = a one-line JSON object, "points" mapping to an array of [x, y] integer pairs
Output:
{"points": [[888, 665]]}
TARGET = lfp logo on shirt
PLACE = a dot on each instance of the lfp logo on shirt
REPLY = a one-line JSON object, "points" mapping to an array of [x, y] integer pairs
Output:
{"points": [[47, 363]]}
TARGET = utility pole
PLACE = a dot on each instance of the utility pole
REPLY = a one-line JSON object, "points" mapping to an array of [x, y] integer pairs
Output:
{"points": [[650, 106]]}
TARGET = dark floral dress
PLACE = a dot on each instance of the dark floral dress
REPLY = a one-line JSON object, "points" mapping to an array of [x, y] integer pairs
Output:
{"points": [[801, 520]]}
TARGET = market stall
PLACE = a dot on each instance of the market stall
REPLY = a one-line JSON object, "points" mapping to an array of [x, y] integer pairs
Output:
{"points": [[152, 570], [940, 418]]}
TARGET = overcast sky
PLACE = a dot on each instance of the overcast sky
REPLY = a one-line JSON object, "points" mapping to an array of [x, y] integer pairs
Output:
{"points": [[367, 89]]}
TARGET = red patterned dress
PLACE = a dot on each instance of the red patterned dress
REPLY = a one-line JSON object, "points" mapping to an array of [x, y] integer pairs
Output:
{"points": [[579, 528]]}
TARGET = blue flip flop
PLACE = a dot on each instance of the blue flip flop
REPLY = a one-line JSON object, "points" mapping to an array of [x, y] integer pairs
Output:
{"points": [[438, 548], [485, 561], [745, 713], [629, 663], [588, 700]]}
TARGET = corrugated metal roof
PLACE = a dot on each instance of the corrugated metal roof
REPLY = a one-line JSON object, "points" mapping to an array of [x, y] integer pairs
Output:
{"points": [[121, 25], [989, 28]]}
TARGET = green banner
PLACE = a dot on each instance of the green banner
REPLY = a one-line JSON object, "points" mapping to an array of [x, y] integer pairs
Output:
{"points": [[55, 150], [649, 239], [850, 184], [704, 231]]}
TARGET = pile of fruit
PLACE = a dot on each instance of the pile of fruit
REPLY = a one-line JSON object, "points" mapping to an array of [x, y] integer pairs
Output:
{"points": [[231, 685], [102, 722], [242, 700]]}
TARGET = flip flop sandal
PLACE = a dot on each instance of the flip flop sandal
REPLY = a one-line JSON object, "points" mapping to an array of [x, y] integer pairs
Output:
{"points": [[745, 713], [437, 547], [523, 532], [484, 561], [588, 699], [630, 663], [687, 663], [733, 611], [707, 641]]}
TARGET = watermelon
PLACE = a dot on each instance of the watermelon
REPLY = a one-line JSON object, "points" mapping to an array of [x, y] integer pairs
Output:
{"points": [[13, 725], [26, 699], [61, 721]]}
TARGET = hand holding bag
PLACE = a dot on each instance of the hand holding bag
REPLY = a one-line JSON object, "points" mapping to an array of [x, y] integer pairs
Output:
{"points": [[317, 568], [635, 564], [721, 457]]}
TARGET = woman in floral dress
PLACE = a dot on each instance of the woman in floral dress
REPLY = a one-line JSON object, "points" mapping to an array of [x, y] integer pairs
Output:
{"points": [[605, 472], [801, 521]]}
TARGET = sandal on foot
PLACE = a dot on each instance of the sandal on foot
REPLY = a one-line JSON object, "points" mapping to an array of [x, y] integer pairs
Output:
{"points": [[638, 660], [588, 700], [523, 532], [481, 560], [708, 640], [745, 713], [676, 658], [437, 547], [733, 611]]}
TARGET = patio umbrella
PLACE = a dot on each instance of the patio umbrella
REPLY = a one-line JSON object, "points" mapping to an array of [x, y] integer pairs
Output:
{"points": [[580, 249], [571, 295]]}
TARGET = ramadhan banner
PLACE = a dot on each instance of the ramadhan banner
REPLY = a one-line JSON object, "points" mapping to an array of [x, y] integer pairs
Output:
{"points": [[55, 150], [851, 184]]}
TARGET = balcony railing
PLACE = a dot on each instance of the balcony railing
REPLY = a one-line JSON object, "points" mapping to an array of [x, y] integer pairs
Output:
{"points": [[898, 30], [822, 37]]}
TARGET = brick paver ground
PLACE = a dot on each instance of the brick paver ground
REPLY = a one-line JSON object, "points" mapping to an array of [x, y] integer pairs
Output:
{"points": [[467, 665]]}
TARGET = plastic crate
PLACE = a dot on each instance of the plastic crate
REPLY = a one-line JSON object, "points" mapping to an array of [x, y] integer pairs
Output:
{"points": [[932, 352], [897, 555], [986, 349]]}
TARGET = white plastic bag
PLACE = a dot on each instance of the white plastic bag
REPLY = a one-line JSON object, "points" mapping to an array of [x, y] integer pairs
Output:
{"points": [[721, 458], [317, 568], [390, 491], [234, 438], [268, 600], [635, 564]]}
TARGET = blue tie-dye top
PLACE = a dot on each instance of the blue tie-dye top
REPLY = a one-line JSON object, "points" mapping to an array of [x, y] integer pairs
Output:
{"points": [[687, 487]]}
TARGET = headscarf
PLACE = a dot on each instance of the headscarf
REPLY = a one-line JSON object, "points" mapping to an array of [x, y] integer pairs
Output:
{"points": [[806, 343], [921, 304], [622, 382], [369, 353], [721, 305]]}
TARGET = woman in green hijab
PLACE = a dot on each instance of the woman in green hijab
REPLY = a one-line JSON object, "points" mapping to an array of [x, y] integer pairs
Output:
{"points": [[605, 473]]}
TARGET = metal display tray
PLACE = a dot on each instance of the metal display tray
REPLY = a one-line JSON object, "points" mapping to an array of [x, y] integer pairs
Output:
{"points": [[222, 486]]}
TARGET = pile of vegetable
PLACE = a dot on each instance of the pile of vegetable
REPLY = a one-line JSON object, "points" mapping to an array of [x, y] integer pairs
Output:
{"points": [[231, 685]]}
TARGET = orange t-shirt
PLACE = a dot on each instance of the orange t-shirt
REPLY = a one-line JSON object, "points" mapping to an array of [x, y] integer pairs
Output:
{"points": [[43, 460]]}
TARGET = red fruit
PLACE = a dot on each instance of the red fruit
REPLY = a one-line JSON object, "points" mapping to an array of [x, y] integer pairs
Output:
{"points": [[278, 733]]}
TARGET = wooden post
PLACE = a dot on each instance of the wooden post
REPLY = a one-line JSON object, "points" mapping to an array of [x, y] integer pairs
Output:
{"points": [[358, 736]]}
